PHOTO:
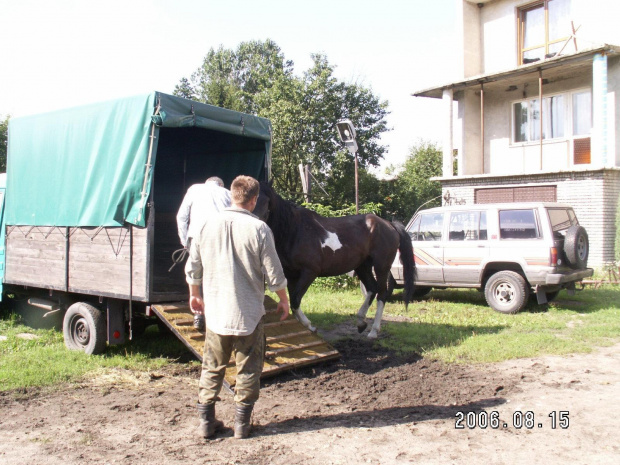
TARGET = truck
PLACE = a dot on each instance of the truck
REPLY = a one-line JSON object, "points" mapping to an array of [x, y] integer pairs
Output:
{"points": [[88, 218], [90, 201]]}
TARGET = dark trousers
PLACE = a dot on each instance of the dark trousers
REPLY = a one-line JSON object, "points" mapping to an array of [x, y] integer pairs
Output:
{"points": [[249, 359]]}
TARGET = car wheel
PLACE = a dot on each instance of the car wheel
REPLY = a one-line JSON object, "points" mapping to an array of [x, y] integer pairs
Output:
{"points": [[84, 328], [576, 247], [506, 292]]}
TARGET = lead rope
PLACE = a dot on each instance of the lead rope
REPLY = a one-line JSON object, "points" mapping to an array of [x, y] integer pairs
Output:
{"points": [[177, 257]]}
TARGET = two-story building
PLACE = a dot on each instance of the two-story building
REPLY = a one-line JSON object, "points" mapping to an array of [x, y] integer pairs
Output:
{"points": [[502, 144]]}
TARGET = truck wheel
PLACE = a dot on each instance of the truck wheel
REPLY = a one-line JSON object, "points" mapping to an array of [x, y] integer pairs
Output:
{"points": [[506, 292], [84, 328], [576, 247]]}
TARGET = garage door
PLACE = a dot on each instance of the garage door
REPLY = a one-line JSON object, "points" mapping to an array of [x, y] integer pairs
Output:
{"points": [[516, 194]]}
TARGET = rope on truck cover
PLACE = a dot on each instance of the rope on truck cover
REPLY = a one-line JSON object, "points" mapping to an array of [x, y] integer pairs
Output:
{"points": [[177, 257]]}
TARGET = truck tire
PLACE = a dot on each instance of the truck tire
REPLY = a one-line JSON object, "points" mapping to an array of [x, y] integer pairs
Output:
{"points": [[84, 328], [506, 292], [576, 247]]}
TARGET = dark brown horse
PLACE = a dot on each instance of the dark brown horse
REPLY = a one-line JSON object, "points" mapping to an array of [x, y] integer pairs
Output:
{"points": [[310, 245]]}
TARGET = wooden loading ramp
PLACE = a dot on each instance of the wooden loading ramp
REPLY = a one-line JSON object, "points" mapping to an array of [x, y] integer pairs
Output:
{"points": [[289, 344]]}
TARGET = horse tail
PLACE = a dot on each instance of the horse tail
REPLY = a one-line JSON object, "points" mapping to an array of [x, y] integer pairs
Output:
{"points": [[406, 258]]}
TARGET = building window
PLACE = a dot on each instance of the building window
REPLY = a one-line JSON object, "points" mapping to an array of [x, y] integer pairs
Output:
{"points": [[544, 27], [565, 116], [527, 119]]}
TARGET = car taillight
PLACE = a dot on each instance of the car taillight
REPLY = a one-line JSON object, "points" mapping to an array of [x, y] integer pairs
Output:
{"points": [[553, 258]]}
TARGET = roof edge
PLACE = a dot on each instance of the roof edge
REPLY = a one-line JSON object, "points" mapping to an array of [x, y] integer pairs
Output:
{"points": [[437, 91]]}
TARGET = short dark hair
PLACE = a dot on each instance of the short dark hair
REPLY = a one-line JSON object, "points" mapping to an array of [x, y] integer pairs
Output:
{"points": [[244, 189]]}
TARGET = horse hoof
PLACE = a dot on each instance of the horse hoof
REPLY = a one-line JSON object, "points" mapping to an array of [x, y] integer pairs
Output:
{"points": [[361, 327], [312, 329], [372, 335]]}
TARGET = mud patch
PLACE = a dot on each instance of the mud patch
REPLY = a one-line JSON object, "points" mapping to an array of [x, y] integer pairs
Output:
{"points": [[371, 406]]}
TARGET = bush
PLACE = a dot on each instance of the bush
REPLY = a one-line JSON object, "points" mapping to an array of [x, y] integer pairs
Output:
{"points": [[334, 283], [326, 210]]}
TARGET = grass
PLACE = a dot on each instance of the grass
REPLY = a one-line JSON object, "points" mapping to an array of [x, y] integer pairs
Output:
{"points": [[38, 357], [455, 326]]}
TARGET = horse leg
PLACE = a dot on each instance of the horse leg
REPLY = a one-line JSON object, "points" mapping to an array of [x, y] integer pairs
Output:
{"points": [[382, 277], [376, 325], [364, 273], [297, 289]]}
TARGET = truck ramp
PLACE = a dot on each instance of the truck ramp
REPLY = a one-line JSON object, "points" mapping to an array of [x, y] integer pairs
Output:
{"points": [[289, 344]]}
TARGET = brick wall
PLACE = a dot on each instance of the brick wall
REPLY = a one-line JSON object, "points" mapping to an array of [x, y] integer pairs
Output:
{"points": [[593, 194]]}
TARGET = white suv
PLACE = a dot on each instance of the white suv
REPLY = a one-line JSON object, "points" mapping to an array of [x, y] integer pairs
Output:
{"points": [[508, 250]]}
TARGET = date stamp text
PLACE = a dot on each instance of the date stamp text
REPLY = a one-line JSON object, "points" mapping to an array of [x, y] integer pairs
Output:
{"points": [[520, 420]]}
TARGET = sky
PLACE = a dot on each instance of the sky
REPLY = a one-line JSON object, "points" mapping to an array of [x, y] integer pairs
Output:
{"points": [[57, 54]]}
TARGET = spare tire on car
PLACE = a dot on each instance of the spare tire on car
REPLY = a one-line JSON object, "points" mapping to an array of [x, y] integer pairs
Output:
{"points": [[576, 247]]}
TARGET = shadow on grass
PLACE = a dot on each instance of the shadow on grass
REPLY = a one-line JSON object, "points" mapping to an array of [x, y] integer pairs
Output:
{"points": [[156, 342], [405, 337], [587, 300]]}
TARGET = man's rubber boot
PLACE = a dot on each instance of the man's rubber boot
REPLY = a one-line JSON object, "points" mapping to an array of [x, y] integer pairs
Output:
{"points": [[243, 415], [208, 424]]}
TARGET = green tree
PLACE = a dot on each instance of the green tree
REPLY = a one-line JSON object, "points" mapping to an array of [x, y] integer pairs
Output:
{"points": [[4, 130], [413, 187], [256, 78]]}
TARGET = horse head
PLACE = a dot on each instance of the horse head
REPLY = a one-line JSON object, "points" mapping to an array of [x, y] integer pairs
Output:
{"points": [[264, 204]]}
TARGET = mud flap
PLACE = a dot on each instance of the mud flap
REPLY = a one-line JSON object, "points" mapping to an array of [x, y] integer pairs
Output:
{"points": [[116, 322], [541, 296]]}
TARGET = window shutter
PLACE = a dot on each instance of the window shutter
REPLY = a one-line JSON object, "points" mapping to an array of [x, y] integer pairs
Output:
{"points": [[581, 151]]}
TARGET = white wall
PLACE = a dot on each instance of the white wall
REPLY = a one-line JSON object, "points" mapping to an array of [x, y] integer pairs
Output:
{"points": [[493, 28], [499, 36], [598, 20]]}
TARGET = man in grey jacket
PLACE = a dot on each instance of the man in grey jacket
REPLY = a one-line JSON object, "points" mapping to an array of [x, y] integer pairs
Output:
{"points": [[231, 258]]}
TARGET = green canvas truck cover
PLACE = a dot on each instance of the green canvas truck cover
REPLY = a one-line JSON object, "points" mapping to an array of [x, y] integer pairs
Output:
{"points": [[93, 165]]}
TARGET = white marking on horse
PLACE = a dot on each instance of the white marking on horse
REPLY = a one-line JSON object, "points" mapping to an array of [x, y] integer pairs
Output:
{"points": [[332, 241]]}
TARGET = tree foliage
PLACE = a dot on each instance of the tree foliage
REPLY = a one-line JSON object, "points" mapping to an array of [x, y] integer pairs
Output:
{"points": [[4, 130], [256, 78], [413, 186]]}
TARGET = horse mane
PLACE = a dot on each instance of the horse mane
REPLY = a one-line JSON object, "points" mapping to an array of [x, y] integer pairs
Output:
{"points": [[283, 217]]}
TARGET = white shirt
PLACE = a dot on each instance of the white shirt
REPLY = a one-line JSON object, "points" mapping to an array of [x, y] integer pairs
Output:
{"points": [[200, 202]]}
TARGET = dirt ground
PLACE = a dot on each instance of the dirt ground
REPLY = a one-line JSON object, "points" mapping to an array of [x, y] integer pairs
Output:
{"points": [[369, 407]]}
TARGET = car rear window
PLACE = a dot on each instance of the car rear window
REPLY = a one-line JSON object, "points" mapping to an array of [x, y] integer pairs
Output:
{"points": [[518, 224], [561, 218]]}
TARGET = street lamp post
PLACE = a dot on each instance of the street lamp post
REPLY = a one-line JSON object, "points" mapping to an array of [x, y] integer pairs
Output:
{"points": [[346, 131]]}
